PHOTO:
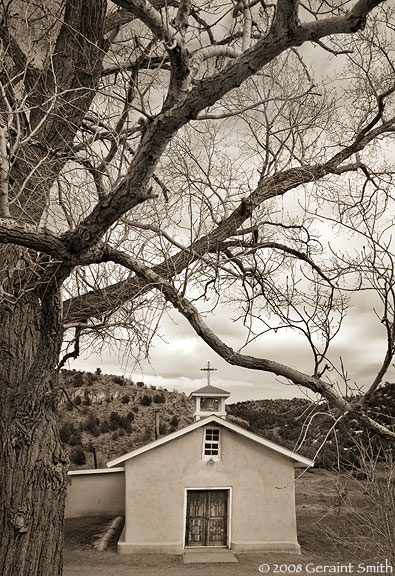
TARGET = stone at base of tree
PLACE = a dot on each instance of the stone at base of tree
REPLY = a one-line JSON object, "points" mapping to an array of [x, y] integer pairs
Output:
{"points": [[104, 539]]}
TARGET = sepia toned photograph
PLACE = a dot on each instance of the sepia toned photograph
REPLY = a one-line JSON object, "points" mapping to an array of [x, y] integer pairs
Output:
{"points": [[197, 287]]}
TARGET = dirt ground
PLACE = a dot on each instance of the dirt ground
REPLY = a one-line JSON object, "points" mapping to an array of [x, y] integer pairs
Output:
{"points": [[331, 542]]}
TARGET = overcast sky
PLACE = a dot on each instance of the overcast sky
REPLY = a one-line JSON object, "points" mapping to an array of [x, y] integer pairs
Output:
{"points": [[177, 363]]}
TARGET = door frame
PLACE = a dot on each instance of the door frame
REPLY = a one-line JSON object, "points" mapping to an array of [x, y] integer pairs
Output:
{"points": [[229, 514]]}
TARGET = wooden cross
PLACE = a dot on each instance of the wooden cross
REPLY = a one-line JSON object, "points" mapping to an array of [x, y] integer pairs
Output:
{"points": [[208, 369]]}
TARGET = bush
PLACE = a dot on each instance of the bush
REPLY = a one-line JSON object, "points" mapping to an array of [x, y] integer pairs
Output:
{"points": [[130, 416], [159, 398], [104, 427], [118, 380], [77, 456], [125, 424], [174, 422], [114, 424], [140, 384], [77, 400], [125, 399], [75, 438], [146, 400], [65, 433], [163, 428], [114, 436], [78, 379]]}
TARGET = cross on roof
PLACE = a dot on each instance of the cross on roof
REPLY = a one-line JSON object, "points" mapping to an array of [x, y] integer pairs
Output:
{"points": [[208, 369]]}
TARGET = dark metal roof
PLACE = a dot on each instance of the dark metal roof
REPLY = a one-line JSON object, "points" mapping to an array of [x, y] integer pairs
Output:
{"points": [[211, 391]]}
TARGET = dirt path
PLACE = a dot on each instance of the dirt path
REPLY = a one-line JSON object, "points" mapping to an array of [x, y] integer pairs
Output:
{"points": [[109, 564]]}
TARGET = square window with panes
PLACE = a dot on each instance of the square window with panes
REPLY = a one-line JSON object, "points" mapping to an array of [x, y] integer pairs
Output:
{"points": [[211, 443]]}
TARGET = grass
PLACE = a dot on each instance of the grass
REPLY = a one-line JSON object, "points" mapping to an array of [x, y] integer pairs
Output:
{"points": [[327, 532]]}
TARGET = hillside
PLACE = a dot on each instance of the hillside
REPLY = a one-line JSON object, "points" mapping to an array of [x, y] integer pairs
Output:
{"points": [[108, 415], [111, 415], [306, 427]]}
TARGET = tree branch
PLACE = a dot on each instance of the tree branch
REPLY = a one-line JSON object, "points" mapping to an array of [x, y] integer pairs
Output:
{"points": [[188, 310]]}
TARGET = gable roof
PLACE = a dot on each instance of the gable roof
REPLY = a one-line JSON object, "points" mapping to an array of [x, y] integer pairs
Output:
{"points": [[220, 422], [209, 390]]}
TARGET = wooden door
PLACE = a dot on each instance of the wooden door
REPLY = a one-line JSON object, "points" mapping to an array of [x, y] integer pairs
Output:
{"points": [[206, 518]]}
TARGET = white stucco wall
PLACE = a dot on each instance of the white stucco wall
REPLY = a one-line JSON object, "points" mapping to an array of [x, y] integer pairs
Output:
{"points": [[262, 488], [96, 493]]}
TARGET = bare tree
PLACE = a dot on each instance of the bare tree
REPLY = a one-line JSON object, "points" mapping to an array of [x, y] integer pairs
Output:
{"points": [[123, 190]]}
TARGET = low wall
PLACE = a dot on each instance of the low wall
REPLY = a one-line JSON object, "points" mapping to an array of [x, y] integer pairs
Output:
{"points": [[96, 493]]}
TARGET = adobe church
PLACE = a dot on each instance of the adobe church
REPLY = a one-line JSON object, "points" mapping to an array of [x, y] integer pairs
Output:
{"points": [[210, 484]]}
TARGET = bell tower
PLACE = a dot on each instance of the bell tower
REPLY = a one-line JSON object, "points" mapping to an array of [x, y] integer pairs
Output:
{"points": [[209, 399]]}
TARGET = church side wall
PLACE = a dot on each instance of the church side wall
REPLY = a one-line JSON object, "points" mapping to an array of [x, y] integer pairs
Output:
{"points": [[262, 504], [96, 493]]}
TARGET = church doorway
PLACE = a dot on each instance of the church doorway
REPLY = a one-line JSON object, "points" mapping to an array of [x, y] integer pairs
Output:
{"points": [[207, 518]]}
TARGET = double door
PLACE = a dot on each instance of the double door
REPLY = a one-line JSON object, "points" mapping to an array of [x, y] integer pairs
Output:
{"points": [[207, 518]]}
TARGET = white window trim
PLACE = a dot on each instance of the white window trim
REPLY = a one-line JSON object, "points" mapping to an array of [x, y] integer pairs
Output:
{"points": [[214, 457]]}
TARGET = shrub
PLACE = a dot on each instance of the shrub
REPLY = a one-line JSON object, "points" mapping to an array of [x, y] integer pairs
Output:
{"points": [[174, 422], [114, 436], [75, 438], [65, 433], [146, 400], [125, 399], [77, 456], [114, 424], [130, 416], [77, 400], [159, 398], [78, 379], [104, 427], [118, 380]]}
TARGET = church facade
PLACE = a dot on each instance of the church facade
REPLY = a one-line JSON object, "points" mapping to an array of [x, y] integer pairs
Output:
{"points": [[211, 484]]}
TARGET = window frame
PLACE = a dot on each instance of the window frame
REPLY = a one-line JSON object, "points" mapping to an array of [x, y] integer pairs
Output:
{"points": [[212, 442]]}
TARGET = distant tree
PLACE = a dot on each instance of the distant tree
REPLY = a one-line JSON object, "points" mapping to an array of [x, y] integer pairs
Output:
{"points": [[140, 384], [98, 371]]}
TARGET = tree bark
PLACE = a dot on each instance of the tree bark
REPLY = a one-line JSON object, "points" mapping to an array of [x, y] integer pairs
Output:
{"points": [[33, 466]]}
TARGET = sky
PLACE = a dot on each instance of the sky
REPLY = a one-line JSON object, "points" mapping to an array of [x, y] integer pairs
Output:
{"points": [[177, 357]]}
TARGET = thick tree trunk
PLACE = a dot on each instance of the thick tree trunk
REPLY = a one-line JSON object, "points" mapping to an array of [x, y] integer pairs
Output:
{"points": [[33, 466]]}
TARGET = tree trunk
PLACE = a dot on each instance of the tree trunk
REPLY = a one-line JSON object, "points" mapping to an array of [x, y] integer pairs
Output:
{"points": [[33, 466]]}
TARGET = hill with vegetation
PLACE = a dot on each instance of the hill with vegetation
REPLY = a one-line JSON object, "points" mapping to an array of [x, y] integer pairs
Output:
{"points": [[102, 416]]}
